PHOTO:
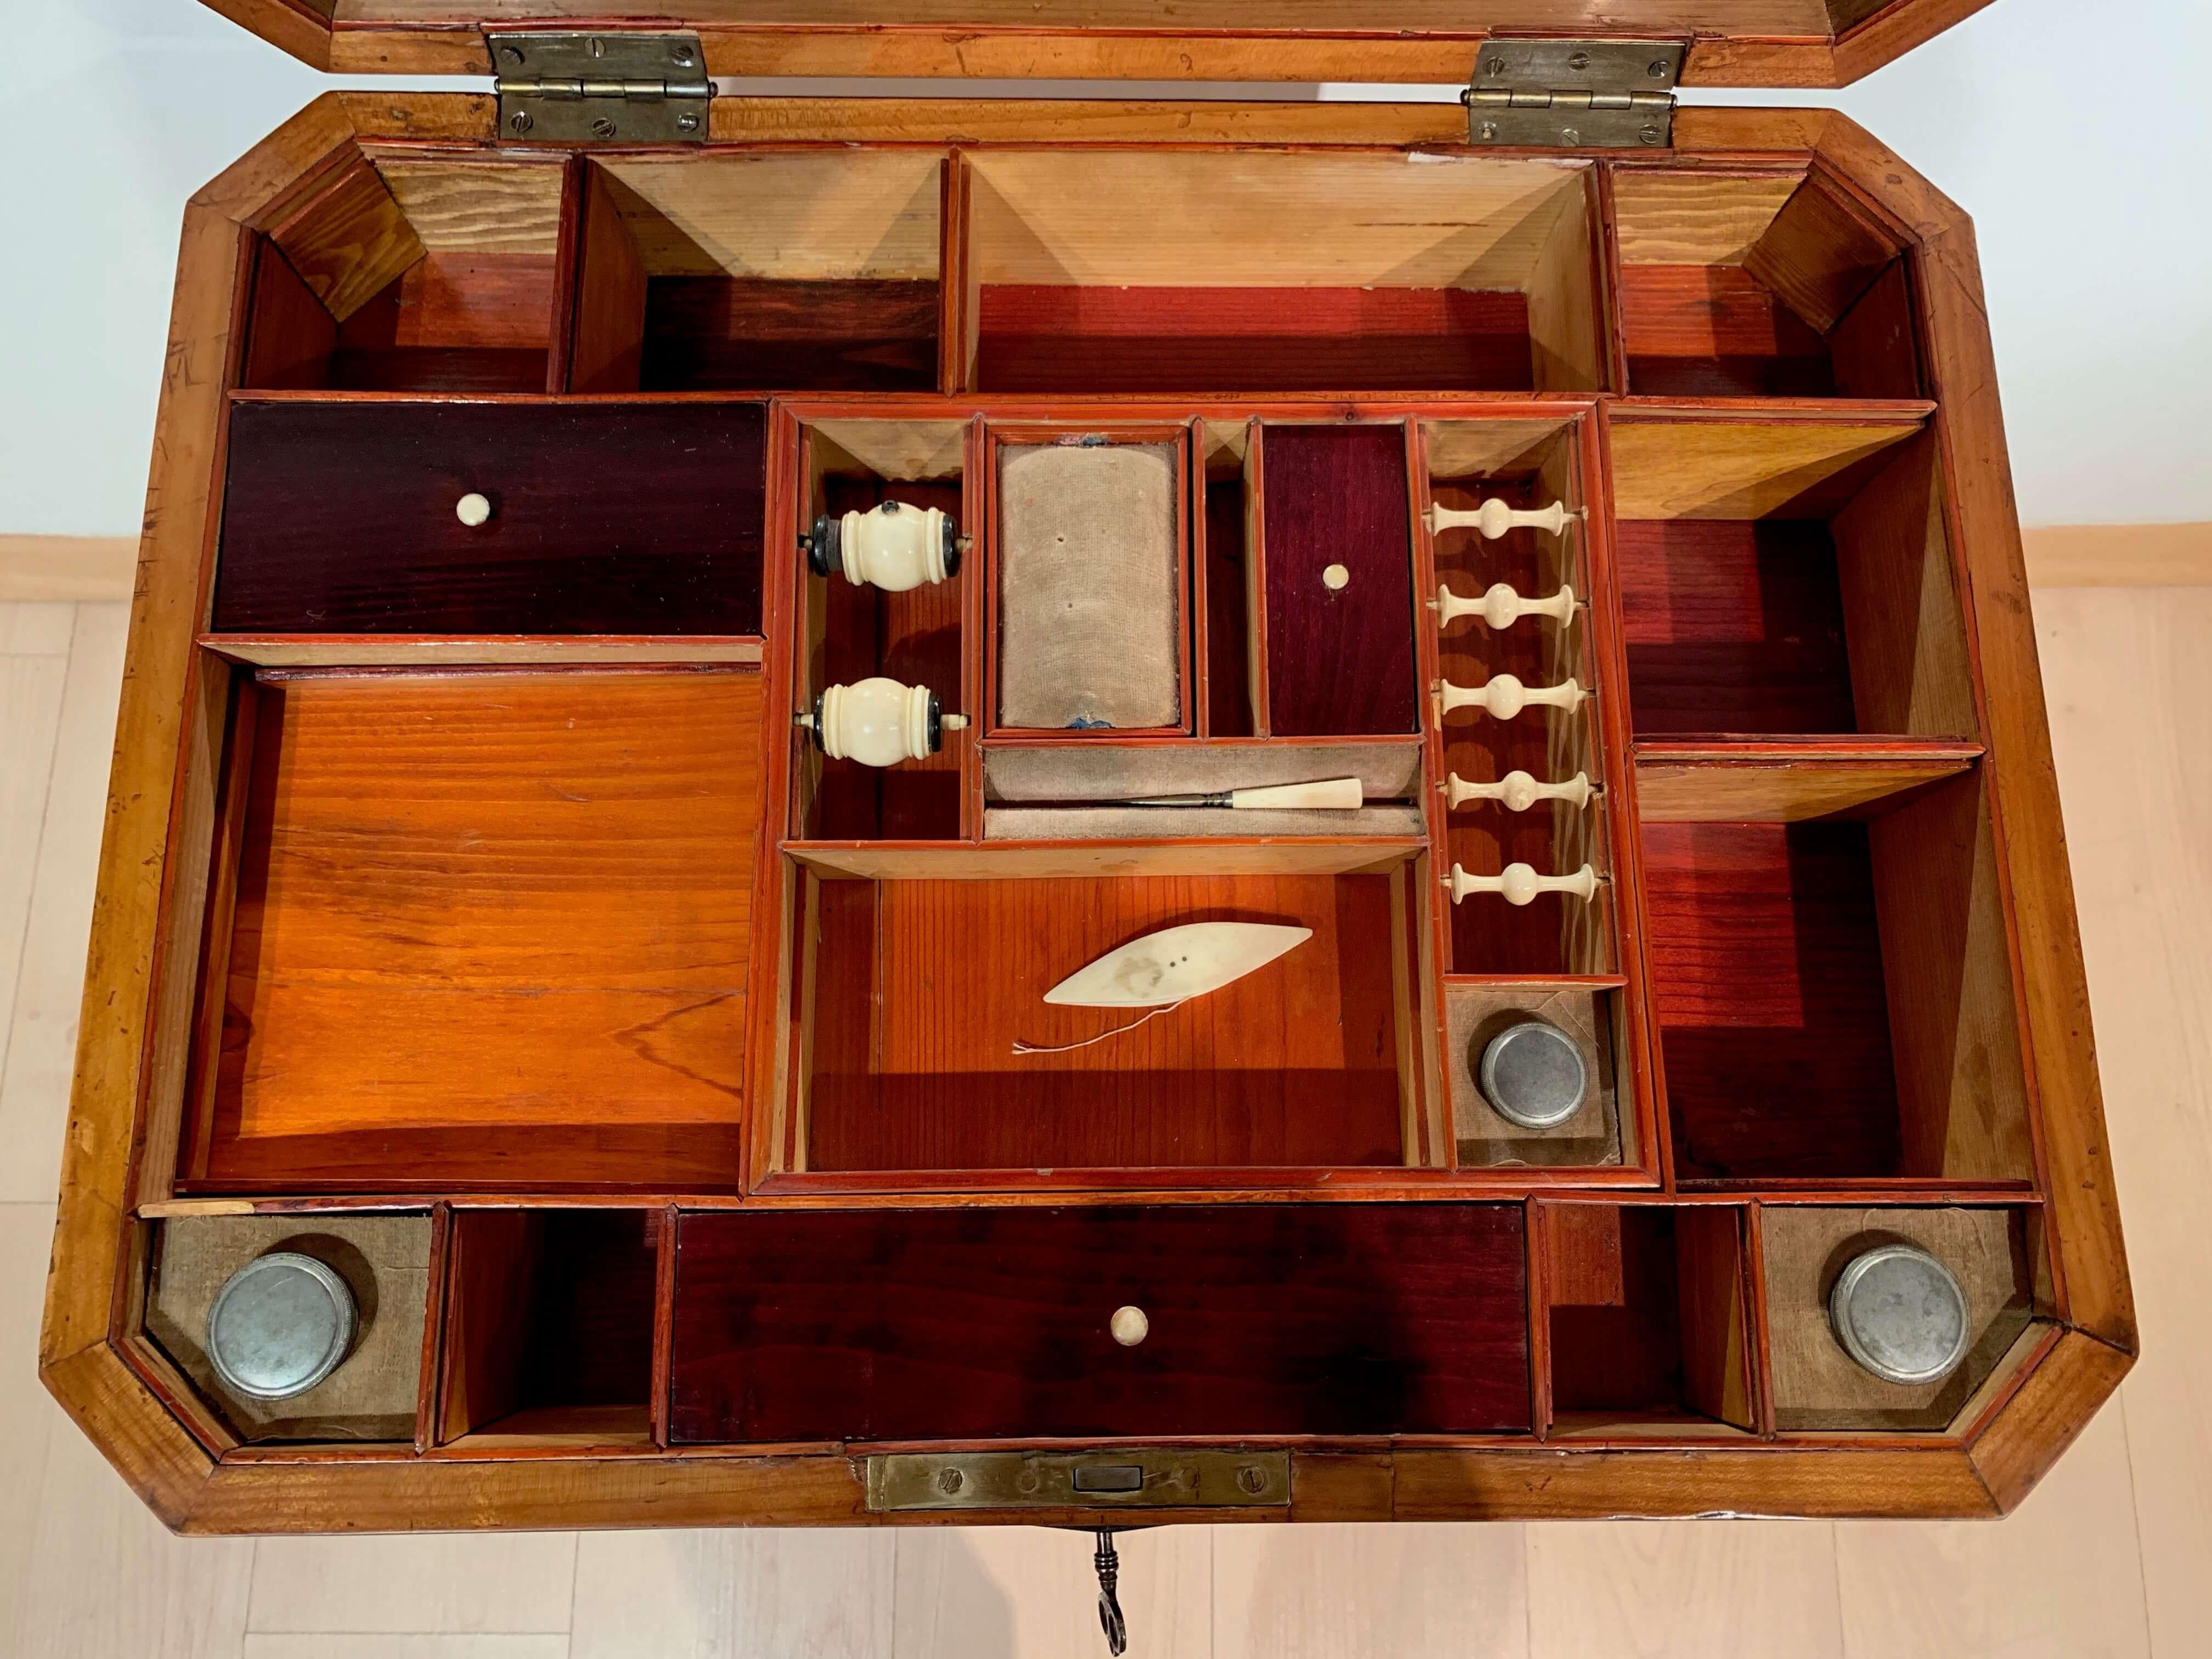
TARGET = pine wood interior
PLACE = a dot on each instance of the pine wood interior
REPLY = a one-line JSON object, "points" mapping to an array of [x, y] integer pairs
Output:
{"points": [[1787, 580], [549, 1327], [1834, 997], [816, 271], [1647, 1316], [510, 940], [1758, 285], [1146, 270], [412, 275]]}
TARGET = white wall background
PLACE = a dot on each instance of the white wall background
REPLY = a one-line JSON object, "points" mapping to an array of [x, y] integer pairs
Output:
{"points": [[2091, 208]]}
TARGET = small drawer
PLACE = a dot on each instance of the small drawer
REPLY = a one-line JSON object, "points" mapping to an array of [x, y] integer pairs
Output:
{"points": [[1326, 1319], [350, 517]]}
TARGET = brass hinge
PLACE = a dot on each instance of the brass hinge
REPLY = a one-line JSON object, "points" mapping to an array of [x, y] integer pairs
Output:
{"points": [[1574, 94], [607, 86]]}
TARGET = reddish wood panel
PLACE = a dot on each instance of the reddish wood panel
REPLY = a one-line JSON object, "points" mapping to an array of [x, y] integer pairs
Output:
{"points": [[1714, 332], [1766, 976], [1340, 661], [912, 637], [588, 1341], [618, 518], [1059, 337], [1228, 628], [492, 932], [455, 322], [924, 988], [1733, 626], [288, 337], [1615, 1316], [1264, 1319], [726, 334]]}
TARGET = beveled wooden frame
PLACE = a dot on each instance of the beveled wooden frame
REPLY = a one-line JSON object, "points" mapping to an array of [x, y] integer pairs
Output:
{"points": [[158, 1436]]}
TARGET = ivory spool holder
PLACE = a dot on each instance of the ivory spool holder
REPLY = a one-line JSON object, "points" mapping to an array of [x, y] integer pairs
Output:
{"points": [[1518, 790], [1519, 884], [1492, 519], [879, 722], [1501, 606], [1504, 696], [891, 546]]}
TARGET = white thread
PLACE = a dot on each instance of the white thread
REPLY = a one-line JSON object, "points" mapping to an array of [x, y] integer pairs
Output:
{"points": [[1021, 1048]]}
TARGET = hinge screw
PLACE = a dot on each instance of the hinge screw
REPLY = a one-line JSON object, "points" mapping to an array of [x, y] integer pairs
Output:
{"points": [[1569, 136], [949, 1482], [683, 56], [1489, 130], [602, 127], [1649, 135], [1494, 66], [520, 121], [512, 54], [690, 124], [1579, 61], [1658, 69], [1251, 1479]]}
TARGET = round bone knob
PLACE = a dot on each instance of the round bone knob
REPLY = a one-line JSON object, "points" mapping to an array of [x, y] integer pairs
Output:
{"points": [[1129, 1326], [473, 509]]}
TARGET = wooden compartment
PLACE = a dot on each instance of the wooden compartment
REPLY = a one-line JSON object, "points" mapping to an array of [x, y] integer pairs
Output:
{"points": [[1276, 270], [384, 1260], [411, 274], [1997, 1255], [853, 633], [1527, 464], [1758, 284], [619, 517], [1788, 577], [478, 931], [1351, 1320], [1646, 1315], [1834, 999], [549, 1328], [788, 271], [1601, 1133], [915, 993]]}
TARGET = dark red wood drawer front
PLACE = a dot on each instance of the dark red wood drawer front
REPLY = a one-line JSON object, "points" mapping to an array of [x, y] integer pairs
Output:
{"points": [[617, 517], [1321, 1319]]}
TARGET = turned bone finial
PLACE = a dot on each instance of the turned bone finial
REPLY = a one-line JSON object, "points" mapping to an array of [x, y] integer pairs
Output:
{"points": [[1518, 790], [1518, 883], [1501, 607], [1493, 519], [1504, 696], [473, 509]]}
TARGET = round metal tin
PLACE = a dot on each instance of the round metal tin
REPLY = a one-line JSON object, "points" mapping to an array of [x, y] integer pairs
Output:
{"points": [[1534, 1075], [1900, 1313], [279, 1325]]}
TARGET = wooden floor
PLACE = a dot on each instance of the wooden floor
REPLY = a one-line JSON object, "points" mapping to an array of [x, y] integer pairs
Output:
{"points": [[2113, 1554]]}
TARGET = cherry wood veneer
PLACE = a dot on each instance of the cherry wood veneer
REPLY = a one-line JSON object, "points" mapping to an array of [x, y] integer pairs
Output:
{"points": [[1939, 925]]}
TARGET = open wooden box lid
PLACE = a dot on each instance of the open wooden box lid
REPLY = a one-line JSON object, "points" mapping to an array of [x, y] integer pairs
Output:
{"points": [[1731, 43]]}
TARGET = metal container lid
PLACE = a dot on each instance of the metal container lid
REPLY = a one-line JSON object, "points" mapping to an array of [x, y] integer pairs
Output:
{"points": [[1534, 1075], [281, 1325], [1900, 1313]]}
